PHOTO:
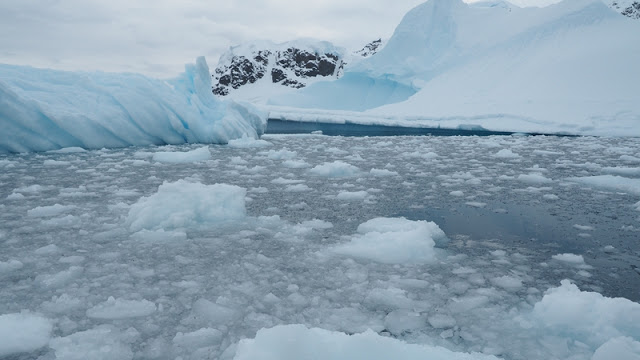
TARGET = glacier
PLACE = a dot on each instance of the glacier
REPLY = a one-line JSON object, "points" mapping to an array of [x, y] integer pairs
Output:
{"points": [[43, 109], [570, 67]]}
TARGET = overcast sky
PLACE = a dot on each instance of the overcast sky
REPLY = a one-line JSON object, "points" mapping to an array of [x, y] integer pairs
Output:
{"points": [[157, 37]]}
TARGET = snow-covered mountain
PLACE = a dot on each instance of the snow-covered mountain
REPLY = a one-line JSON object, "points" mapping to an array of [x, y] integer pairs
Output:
{"points": [[293, 64], [569, 67], [630, 8]]}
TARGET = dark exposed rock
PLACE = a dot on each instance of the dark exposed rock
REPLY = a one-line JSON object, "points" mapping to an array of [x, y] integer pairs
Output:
{"points": [[370, 49], [289, 66], [632, 10]]}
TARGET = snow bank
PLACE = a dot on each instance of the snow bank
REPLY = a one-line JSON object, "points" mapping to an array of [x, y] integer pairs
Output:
{"points": [[393, 241], [591, 318], [293, 342], [201, 154], [183, 204], [23, 332], [45, 110]]}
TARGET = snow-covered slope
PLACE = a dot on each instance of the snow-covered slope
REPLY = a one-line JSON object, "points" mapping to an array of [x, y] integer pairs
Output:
{"points": [[570, 67], [45, 109], [630, 8], [256, 70]]}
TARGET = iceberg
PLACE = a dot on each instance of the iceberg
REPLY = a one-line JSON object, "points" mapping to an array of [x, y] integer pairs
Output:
{"points": [[43, 109]]}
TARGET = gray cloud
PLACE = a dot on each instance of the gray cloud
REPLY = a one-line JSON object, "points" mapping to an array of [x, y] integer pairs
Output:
{"points": [[157, 37]]}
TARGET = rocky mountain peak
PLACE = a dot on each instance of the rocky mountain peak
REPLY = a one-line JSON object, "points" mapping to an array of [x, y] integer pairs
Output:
{"points": [[292, 64]]}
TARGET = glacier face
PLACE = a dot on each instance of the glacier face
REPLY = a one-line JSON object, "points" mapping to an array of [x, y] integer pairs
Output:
{"points": [[568, 67], [46, 109]]}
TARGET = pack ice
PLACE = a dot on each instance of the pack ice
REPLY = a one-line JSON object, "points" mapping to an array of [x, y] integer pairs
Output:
{"points": [[45, 110]]}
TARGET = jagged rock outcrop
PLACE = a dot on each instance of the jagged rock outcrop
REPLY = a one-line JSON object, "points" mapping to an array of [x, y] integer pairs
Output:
{"points": [[292, 64], [370, 49]]}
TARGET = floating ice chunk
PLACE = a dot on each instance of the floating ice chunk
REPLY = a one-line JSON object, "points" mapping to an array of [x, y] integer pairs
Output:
{"points": [[507, 282], [609, 249], [159, 236], [248, 142], [47, 211], [9, 266], [388, 298], [59, 279], [630, 159], [48, 109], [213, 313], [534, 178], [62, 304], [316, 224], [394, 240], [201, 154], [568, 258], [23, 332], [550, 197], [295, 164], [506, 154], [476, 204], [197, 339], [47, 250], [442, 321], [100, 343], [587, 317], [351, 195], [399, 321], [294, 342], [121, 309], [382, 172], [68, 150], [184, 204], [584, 227], [336, 169], [456, 193], [610, 182], [282, 154], [56, 163], [620, 348], [297, 188]]}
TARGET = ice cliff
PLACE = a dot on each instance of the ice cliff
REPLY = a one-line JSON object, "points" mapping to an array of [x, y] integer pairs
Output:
{"points": [[44, 109]]}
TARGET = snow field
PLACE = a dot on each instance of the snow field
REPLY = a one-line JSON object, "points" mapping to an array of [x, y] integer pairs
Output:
{"points": [[222, 258]]}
